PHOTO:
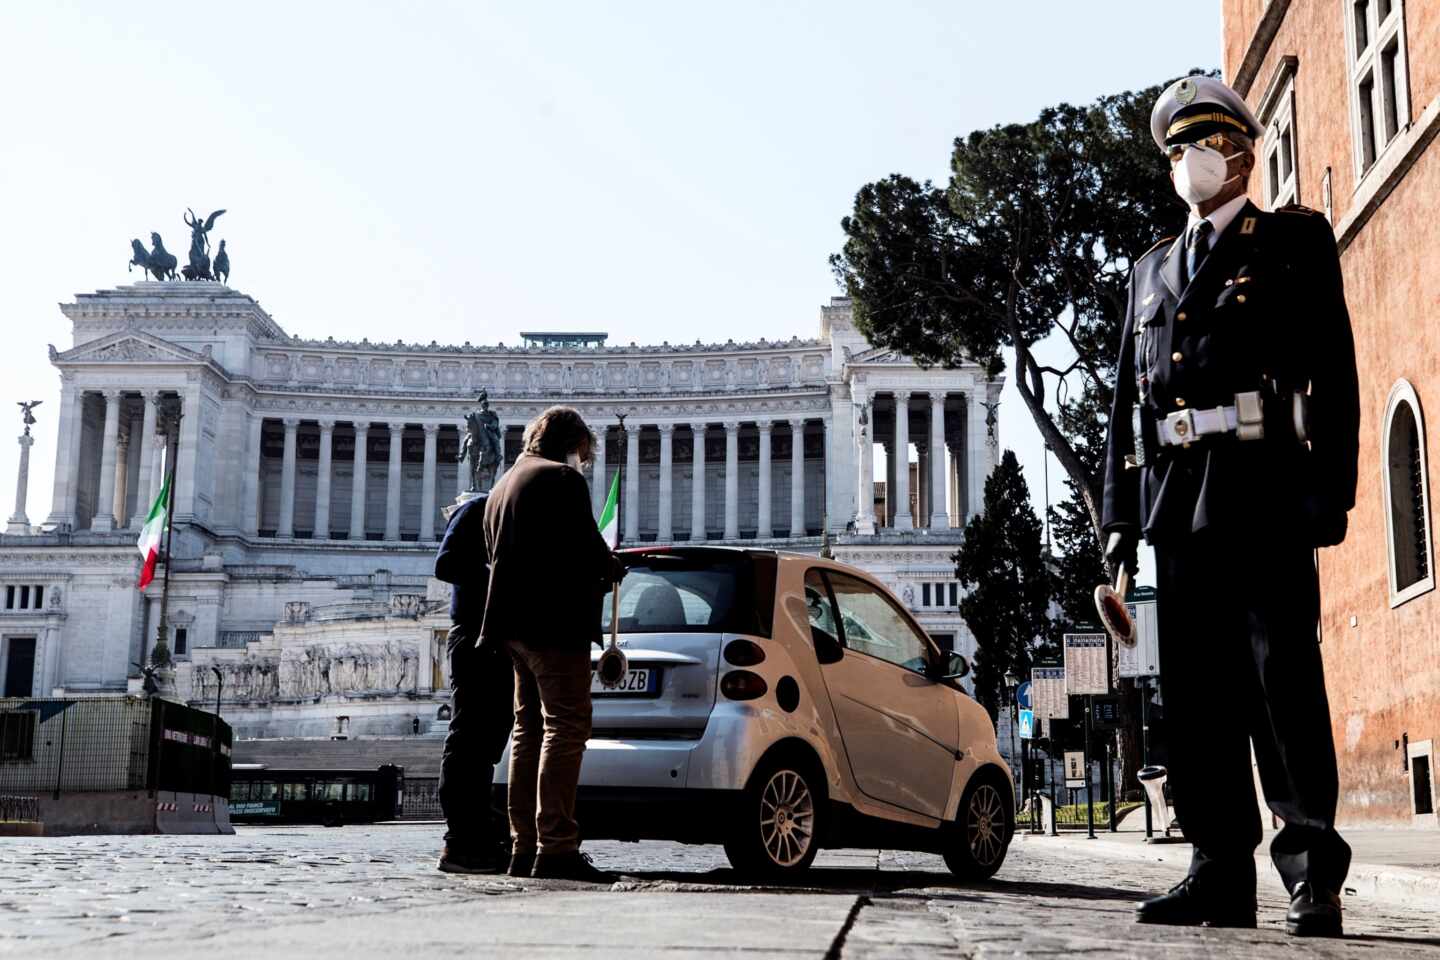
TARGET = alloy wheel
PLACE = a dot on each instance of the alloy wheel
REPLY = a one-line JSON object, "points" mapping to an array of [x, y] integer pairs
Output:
{"points": [[787, 818], [985, 825]]}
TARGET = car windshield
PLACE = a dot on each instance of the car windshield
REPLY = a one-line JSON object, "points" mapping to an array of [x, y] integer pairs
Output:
{"points": [[694, 593]]}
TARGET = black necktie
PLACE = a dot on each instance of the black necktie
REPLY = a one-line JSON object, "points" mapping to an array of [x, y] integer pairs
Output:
{"points": [[1197, 247]]}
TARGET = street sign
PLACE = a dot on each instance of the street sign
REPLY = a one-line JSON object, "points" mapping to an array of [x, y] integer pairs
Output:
{"points": [[1086, 671], [1143, 659], [1022, 696], [1074, 769], [1027, 724], [1107, 713], [1047, 693]]}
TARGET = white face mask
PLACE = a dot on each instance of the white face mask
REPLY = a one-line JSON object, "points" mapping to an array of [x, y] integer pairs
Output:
{"points": [[1200, 173]]}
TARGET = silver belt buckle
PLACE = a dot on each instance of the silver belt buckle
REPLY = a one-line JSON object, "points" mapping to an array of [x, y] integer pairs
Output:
{"points": [[1181, 425], [1249, 416]]}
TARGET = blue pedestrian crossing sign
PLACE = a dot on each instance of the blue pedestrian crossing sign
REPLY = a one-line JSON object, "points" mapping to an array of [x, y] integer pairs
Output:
{"points": [[1022, 696], [1027, 724]]}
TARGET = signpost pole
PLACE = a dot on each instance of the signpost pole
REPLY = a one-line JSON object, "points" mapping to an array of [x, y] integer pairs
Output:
{"points": [[1110, 781], [1089, 780], [1054, 814], [1145, 749]]}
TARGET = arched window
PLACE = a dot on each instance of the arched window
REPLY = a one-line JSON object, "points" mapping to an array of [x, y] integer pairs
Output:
{"points": [[1407, 496]]}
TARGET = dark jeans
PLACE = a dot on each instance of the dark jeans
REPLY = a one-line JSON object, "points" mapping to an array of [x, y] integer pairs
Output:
{"points": [[1240, 665], [482, 714]]}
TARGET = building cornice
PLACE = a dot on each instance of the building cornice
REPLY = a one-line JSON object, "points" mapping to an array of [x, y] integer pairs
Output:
{"points": [[1259, 47]]}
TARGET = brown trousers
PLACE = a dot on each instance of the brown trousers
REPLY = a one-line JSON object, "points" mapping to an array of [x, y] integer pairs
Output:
{"points": [[552, 723]]}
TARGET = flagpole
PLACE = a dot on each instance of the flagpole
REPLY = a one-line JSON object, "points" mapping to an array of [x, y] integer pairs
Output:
{"points": [[160, 653], [620, 493]]}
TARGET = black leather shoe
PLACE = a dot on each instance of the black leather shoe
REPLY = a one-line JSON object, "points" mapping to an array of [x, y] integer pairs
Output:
{"points": [[1314, 913], [521, 864], [569, 866], [490, 860], [1184, 905]]}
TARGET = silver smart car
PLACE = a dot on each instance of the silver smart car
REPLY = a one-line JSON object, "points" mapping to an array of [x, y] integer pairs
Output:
{"points": [[778, 703]]}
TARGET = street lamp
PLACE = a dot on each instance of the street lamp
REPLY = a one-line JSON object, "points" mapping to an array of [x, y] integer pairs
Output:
{"points": [[1011, 683]]}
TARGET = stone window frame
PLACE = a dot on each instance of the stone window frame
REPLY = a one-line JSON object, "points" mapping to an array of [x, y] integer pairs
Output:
{"points": [[1403, 394], [1280, 145], [1370, 101]]}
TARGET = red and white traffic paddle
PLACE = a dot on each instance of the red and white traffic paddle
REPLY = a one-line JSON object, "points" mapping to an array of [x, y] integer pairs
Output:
{"points": [[1110, 604]]}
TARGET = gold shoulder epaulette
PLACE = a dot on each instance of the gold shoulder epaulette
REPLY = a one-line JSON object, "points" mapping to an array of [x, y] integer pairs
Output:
{"points": [[1298, 208], [1157, 246]]}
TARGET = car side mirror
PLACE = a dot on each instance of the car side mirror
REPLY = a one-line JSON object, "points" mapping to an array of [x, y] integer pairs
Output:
{"points": [[955, 667]]}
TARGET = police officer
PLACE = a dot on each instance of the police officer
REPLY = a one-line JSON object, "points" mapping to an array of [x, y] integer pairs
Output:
{"points": [[1232, 449], [482, 704]]}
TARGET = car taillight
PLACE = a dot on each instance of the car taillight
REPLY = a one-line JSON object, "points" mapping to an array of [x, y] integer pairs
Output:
{"points": [[744, 653], [743, 685]]}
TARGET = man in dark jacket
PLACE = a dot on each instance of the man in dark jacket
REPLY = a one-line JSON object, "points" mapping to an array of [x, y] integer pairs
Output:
{"points": [[549, 569], [482, 704], [1233, 446]]}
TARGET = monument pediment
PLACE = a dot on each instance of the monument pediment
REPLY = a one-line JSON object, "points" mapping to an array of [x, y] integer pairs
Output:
{"points": [[882, 355], [128, 346]]}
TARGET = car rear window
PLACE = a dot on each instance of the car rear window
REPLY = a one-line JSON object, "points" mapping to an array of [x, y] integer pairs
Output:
{"points": [[695, 592]]}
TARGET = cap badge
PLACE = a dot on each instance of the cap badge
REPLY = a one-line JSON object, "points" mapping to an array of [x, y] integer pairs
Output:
{"points": [[1185, 92]]}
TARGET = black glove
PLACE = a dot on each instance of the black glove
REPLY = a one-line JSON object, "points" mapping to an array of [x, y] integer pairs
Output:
{"points": [[617, 569], [1326, 523], [1122, 549]]}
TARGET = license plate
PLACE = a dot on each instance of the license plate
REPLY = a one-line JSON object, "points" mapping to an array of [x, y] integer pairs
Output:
{"points": [[636, 682]]}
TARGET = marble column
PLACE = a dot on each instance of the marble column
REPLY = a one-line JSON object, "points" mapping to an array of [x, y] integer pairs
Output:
{"points": [[19, 522], [462, 469], [922, 480], [357, 482], [904, 519], [393, 479], [887, 510], [797, 478], [865, 466], [665, 528], [763, 526], [66, 484], [697, 481], [939, 517], [105, 503], [732, 480], [632, 483], [249, 481], [286, 526], [322, 480], [599, 487], [124, 478], [145, 467], [975, 441], [427, 494]]}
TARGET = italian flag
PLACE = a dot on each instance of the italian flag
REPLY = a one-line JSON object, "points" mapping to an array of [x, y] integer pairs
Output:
{"points": [[152, 533], [609, 517]]}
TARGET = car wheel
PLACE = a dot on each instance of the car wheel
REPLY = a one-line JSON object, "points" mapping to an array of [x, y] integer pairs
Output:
{"points": [[776, 832], [981, 834]]}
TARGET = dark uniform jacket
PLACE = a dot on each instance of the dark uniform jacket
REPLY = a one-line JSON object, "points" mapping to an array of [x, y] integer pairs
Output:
{"points": [[463, 561], [549, 566], [1267, 305]]}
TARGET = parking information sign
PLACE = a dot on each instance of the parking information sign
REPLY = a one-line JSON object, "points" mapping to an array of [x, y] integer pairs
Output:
{"points": [[1143, 659], [1085, 667], [1027, 724], [1047, 693], [1074, 769]]}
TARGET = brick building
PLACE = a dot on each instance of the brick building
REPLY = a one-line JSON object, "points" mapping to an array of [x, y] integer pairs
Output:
{"points": [[1349, 94]]}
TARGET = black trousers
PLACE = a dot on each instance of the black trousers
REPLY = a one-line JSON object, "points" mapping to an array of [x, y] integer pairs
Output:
{"points": [[1240, 665], [482, 715]]}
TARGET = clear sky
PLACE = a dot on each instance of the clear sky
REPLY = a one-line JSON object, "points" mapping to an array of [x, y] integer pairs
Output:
{"points": [[463, 171]]}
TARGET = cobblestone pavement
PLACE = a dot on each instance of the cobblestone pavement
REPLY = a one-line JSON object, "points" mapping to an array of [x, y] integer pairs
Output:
{"points": [[373, 891]]}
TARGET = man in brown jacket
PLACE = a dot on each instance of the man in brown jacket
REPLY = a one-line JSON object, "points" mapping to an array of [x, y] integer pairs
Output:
{"points": [[549, 570]]}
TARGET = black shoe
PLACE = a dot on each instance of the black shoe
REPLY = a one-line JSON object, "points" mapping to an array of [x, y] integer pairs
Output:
{"points": [[569, 866], [521, 864], [1313, 913], [1185, 906], [487, 860]]}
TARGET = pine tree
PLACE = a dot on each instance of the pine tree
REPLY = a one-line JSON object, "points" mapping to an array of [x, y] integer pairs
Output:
{"points": [[1007, 580]]}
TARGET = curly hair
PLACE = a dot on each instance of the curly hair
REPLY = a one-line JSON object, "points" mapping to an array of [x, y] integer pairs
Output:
{"points": [[557, 433]]}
